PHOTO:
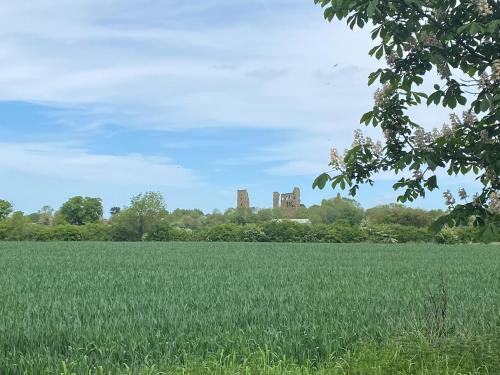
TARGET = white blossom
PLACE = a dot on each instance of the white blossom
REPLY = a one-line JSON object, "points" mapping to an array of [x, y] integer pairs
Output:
{"points": [[469, 118], [449, 199], [462, 194], [429, 40], [387, 134], [483, 8], [446, 131], [377, 149], [494, 204], [391, 59], [418, 175], [484, 81], [496, 70], [359, 139], [444, 71], [485, 137], [455, 122], [336, 160], [422, 140], [380, 95]]}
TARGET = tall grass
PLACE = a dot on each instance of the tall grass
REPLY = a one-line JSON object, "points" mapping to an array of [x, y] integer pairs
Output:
{"points": [[199, 307]]}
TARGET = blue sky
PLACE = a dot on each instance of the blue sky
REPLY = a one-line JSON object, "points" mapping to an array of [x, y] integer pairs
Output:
{"points": [[195, 99]]}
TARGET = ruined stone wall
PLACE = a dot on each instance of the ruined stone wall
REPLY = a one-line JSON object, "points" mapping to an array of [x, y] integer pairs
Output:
{"points": [[242, 199], [287, 201], [276, 200]]}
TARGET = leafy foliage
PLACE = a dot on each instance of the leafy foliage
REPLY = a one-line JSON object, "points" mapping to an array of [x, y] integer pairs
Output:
{"points": [[5, 209], [79, 210], [459, 41], [145, 212]]}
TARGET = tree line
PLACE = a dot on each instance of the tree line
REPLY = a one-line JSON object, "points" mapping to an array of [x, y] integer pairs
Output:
{"points": [[146, 218]]}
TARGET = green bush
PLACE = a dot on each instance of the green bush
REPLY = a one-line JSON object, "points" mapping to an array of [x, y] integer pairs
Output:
{"points": [[447, 236], [252, 233], [160, 232], [67, 233], [343, 232], [97, 232], [395, 233], [224, 232]]}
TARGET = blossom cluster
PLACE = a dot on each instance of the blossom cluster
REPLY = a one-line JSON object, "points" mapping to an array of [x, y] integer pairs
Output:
{"points": [[336, 160], [391, 59], [449, 199], [496, 70], [380, 95], [429, 40], [484, 81], [483, 8], [376, 148], [494, 203], [444, 71], [462, 194]]}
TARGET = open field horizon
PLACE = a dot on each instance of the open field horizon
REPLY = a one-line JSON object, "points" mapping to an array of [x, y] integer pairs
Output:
{"points": [[248, 308]]}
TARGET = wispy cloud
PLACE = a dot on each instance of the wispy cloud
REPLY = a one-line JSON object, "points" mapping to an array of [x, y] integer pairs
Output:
{"points": [[71, 163]]}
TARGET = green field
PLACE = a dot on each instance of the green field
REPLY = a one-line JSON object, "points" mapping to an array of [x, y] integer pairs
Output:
{"points": [[249, 308]]}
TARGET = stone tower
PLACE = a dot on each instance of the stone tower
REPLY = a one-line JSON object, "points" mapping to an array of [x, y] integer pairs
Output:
{"points": [[242, 199], [276, 200]]}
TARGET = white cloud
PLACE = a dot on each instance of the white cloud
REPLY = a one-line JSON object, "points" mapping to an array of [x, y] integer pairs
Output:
{"points": [[69, 163], [168, 65]]}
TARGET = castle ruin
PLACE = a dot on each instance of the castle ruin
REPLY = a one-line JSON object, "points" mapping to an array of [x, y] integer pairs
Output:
{"points": [[288, 201], [242, 199]]}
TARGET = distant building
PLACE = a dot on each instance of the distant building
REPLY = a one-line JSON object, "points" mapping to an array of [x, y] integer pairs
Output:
{"points": [[288, 201], [242, 199], [298, 221]]}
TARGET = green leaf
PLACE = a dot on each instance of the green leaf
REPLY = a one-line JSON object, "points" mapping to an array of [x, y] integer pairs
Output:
{"points": [[484, 106], [432, 183], [367, 117], [321, 181], [489, 233], [439, 223]]}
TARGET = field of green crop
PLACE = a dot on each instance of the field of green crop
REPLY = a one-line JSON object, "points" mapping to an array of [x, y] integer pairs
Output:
{"points": [[248, 308]]}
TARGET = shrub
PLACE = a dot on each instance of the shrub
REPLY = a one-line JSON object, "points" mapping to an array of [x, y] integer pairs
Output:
{"points": [[447, 236], [97, 232], [392, 233], [160, 232], [67, 233], [252, 233], [342, 232], [224, 232]]}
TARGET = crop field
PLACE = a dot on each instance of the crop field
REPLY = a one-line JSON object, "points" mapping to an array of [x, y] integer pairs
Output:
{"points": [[248, 308]]}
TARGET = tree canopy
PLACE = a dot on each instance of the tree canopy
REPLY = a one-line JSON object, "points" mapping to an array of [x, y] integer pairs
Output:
{"points": [[82, 210], [5, 209], [453, 46]]}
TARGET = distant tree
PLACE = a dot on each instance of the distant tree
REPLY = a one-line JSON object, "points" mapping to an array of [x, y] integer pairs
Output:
{"points": [[453, 47], [399, 214], [114, 211], [338, 208], [46, 215], [5, 209], [145, 212], [19, 227], [79, 210], [183, 218]]}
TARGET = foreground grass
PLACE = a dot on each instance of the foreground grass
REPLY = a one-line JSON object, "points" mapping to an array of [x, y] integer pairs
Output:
{"points": [[249, 308], [411, 355]]}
